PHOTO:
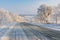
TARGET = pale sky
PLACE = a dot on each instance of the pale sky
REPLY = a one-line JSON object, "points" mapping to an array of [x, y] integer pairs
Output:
{"points": [[25, 6]]}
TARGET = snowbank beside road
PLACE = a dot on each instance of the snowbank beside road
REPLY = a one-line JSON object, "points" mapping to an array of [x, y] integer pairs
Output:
{"points": [[49, 26]]}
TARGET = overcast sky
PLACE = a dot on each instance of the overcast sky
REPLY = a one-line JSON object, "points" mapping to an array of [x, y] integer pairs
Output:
{"points": [[25, 6]]}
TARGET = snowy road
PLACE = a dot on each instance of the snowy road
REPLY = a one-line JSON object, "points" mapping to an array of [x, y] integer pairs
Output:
{"points": [[25, 31]]}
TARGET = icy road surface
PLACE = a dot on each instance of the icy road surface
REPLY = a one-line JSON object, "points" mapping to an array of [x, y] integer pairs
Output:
{"points": [[26, 31]]}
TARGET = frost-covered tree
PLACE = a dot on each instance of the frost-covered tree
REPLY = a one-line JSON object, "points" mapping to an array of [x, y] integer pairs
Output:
{"points": [[57, 13], [43, 12]]}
